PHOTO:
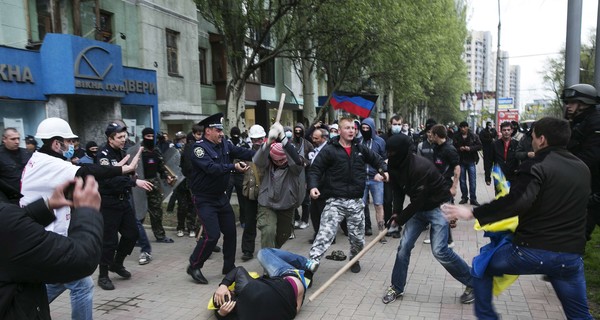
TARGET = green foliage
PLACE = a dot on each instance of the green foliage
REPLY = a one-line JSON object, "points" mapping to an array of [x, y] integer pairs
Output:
{"points": [[411, 47], [554, 75], [592, 273]]}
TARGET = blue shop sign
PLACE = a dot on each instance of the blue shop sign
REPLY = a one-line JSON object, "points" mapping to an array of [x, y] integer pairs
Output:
{"points": [[20, 74], [71, 65]]}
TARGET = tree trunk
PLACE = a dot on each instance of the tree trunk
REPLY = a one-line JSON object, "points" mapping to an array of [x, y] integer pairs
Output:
{"points": [[308, 92], [236, 105], [390, 105]]}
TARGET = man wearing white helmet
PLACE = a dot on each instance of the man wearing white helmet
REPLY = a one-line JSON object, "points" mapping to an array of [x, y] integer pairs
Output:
{"points": [[250, 187], [46, 169]]}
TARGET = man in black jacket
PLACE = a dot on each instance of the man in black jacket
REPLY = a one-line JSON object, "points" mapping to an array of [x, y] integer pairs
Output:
{"points": [[487, 136], [31, 256], [277, 295], [504, 154], [12, 162], [468, 145], [550, 198], [427, 190], [339, 171]]}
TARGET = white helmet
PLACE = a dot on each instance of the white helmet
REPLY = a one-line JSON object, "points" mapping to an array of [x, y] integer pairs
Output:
{"points": [[54, 127], [256, 132]]}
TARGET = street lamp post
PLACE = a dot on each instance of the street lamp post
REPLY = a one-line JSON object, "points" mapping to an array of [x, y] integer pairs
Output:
{"points": [[497, 67]]}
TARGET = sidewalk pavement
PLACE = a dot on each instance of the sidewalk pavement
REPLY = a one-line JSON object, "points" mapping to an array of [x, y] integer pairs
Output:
{"points": [[163, 290]]}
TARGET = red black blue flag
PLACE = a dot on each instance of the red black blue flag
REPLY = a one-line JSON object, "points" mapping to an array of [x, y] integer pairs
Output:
{"points": [[358, 104]]}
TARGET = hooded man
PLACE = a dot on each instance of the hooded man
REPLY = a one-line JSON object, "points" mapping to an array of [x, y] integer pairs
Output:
{"points": [[91, 148], [303, 147], [375, 143], [425, 186]]}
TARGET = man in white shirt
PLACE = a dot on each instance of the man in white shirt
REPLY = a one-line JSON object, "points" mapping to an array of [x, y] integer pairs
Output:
{"points": [[46, 169]]}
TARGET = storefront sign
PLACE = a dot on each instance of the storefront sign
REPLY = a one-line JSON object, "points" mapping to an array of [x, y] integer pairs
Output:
{"points": [[70, 65]]}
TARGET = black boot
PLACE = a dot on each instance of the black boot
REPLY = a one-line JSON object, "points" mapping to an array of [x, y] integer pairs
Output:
{"points": [[103, 279], [118, 267]]}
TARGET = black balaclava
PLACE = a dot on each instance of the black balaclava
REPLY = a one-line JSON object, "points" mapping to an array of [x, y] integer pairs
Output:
{"points": [[148, 143], [235, 135], [90, 153], [298, 136], [398, 148], [367, 134]]}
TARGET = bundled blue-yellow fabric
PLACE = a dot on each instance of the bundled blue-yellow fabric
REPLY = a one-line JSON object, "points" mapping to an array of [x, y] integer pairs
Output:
{"points": [[500, 234]]}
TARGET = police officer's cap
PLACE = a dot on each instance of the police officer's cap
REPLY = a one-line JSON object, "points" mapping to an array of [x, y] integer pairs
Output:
{"points": [[114, 127], [214, 121], [31, 140]]}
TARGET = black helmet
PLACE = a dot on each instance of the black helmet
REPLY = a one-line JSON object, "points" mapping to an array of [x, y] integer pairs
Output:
{"points": [[581, 92]]}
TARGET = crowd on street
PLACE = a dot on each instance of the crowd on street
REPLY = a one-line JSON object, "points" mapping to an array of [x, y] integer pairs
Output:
{"points": [[70, 208]]}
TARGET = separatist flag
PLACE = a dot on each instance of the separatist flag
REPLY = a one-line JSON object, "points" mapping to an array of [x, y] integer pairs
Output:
{"points": [[358, 104]]}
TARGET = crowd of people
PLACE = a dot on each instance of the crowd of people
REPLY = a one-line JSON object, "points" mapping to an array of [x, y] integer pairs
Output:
{"points": [[289, 178]]}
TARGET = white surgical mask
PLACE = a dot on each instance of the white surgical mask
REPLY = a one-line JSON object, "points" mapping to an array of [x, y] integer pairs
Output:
{"points": [[396, 128], [288, 134]]}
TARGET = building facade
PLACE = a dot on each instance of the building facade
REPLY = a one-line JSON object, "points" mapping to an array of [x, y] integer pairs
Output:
{"points": [[169, 38], [515, 84]]}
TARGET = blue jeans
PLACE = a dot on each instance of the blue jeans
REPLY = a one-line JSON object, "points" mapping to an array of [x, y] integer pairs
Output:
{"points": [[279, 262], [82, 296], [143, 239], [452, 262], [376, 188], [472, 191], [564, 269]]}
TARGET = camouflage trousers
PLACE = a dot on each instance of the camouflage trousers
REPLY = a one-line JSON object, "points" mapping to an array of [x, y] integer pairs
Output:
{"points": [[336, 209], [155, 211]]}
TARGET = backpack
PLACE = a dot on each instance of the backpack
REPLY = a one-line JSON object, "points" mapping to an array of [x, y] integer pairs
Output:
{"points": [[251, 184]]}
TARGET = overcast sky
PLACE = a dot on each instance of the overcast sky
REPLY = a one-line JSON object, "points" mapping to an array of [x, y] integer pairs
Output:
{"points": [[534, 28]]}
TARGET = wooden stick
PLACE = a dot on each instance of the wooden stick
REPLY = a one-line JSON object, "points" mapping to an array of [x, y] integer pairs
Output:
{"points": [[281, 103], [348, 265]]}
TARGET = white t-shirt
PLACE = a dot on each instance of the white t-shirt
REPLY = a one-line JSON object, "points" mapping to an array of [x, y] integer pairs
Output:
{"points": [[42, 174]]}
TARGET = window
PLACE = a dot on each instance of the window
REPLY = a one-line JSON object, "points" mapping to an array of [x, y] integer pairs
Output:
{"points": [[267, 72], [202, 63], [44, 18], [105, 32], [172, 55]]}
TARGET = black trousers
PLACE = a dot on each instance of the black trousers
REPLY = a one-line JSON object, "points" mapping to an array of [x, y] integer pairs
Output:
{"points": [[249, 235], [119, 217], [316, 208]]}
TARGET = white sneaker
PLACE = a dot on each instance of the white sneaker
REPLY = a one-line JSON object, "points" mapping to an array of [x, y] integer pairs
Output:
{"points": [[180, 233], [451, 244], [145, 258], [297, 224], [192, 234], [304, 225], [427, 241]]}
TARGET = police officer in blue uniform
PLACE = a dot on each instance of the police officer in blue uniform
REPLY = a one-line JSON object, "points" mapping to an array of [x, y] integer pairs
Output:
{"points": [[211, 168]]}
